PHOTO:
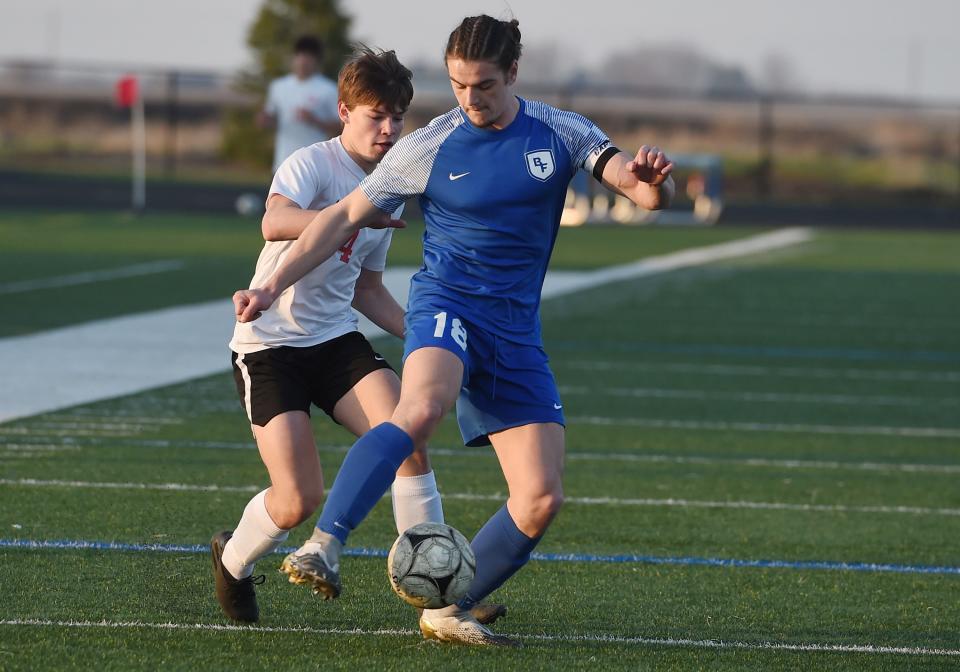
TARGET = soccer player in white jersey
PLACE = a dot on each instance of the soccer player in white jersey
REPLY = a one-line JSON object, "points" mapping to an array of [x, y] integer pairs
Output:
{"points": [[491, 176], [302, 105], [306, 348]]}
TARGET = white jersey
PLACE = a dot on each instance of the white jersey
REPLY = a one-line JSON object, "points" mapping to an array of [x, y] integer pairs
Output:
{"points": [[288, 94], [316, 308]]}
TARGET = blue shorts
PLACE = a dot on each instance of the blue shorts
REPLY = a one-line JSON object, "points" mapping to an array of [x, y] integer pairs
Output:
{"points": [[505, 384]]}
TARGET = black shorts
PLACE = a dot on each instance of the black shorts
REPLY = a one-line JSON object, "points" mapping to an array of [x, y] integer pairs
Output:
{"points": [[277, 380]]}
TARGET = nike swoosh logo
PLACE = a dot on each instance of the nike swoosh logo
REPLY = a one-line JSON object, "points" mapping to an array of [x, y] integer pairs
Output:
{"points": [[378, 358], [454, 178], [558, 406]]}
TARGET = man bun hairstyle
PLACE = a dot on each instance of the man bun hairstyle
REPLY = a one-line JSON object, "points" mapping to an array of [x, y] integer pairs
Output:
{"points": [[375, 77], [484, 38]]}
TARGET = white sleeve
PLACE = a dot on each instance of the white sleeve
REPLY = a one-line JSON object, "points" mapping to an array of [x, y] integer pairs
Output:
{"points": [[300, 179]]}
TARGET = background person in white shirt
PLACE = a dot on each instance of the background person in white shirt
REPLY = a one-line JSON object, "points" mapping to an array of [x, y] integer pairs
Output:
{"points": [[302, 106]]}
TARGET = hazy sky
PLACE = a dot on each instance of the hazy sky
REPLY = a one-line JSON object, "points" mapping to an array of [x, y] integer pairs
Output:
{"points": [[849, 46]]}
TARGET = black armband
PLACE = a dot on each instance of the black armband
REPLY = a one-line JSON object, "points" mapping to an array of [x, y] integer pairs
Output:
{"points": [[601, 162]]}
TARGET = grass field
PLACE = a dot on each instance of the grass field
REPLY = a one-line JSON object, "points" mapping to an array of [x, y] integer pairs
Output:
{"points": [[196, 259], [763, 458]]}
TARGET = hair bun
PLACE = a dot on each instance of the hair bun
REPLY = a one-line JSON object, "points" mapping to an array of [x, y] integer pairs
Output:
{"points": [[513, 26]]}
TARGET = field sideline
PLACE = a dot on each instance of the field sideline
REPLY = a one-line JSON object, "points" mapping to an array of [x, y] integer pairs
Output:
{"points": [[762, 464]]}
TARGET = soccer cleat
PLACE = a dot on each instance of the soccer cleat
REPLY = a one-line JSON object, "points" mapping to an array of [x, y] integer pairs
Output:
{"points": [[236, 596], [454, 625], [484, 613], [309, 565]]}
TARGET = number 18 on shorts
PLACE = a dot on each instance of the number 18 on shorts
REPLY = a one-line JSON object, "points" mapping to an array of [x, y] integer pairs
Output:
{"points": [[442, 330]]}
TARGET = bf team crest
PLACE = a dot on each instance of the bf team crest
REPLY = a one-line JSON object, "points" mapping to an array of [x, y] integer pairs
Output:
{"points": [[540, 164]]}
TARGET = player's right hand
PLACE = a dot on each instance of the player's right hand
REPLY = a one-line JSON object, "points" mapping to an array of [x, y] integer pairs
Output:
{"points": [[249, 304]]}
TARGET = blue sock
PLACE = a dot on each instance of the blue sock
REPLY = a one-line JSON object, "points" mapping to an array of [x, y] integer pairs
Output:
{"points": [[501, 549], [367, 471]]}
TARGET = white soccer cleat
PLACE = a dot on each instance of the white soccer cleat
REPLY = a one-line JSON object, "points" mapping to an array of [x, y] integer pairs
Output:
{"points": [[457, 626], [316, 565]]}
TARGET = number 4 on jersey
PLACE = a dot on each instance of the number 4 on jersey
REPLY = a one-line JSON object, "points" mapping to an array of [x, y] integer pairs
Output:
{"points": [[347, 248]]}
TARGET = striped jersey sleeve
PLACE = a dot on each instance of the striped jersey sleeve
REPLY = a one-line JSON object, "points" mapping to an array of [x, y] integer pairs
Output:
{"points": [[583, 139], [405, 170]]}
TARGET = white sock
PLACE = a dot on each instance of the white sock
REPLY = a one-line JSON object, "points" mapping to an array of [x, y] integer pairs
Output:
{"points": [[325, 542], [416, 500], [256, 536]]}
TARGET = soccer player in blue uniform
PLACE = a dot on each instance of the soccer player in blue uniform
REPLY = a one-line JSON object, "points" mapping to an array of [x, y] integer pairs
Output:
{"points": [[492, 176]]}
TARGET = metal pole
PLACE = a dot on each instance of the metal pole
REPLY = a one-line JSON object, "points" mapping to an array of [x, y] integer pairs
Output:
{"points": [[173, 110], [138, 119], [765, 146]]}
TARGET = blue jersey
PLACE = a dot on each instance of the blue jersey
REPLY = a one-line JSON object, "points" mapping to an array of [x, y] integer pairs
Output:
{"points": [[492, 201]]}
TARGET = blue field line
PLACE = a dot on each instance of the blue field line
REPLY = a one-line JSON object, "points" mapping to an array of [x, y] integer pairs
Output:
{"points": [[784, 352], [547, 557]]}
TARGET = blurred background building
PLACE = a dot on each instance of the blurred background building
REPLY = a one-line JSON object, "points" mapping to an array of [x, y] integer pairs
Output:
{"points": [[783, 136]]}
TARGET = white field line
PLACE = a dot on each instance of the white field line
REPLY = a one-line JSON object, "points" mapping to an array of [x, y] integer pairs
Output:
{"points": [[467, 496], [867, 430], [117, 357], [598, 639], [110, 427], [698, 256], [173, 487], [699, 504], [39, 447], [831, 465], [769, 463], [96, 420], [771, 397], [87, 277], [768, 371], [66, 433], [808, 319]]}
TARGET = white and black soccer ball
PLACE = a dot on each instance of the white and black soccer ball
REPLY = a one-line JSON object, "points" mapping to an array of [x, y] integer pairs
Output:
{"points": [[431, 565]]}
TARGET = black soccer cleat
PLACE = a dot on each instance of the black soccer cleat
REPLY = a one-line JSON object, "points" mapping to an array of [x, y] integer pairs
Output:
{"points": [[236, 596]]}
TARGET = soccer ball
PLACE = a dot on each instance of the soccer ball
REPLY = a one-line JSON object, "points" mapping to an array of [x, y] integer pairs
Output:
{"points": [[431, 565], [249, 205]]}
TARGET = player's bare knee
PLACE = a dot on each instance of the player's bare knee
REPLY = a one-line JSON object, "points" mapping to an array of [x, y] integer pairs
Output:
{"points": [[285, 517], [547, 507], [535, 513], [295, 507], [419, 419]]}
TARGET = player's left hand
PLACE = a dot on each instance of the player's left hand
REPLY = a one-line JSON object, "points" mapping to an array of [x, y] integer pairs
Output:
{"points": [[650, 165]]}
